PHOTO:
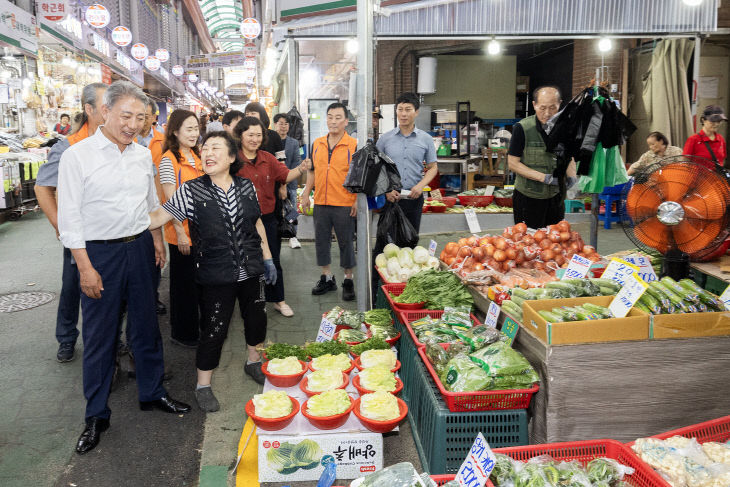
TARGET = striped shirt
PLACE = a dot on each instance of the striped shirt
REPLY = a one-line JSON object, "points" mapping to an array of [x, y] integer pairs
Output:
{"points": [[167, 172], [180, 206]]}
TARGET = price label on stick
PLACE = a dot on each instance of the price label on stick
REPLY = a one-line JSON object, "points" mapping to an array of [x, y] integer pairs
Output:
{"points": [[471, 220], [326, 331], [436, 195], [489, 191], [432, 248], [629, 294], [477, 466], [510, 328], [578, 267], [619, 270], [492, 315], [646, 271], [725, 297]]}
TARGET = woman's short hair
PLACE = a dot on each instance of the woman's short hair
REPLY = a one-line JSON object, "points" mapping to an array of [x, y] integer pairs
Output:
{"points": [[246, 123], [660, 137], [230, 144]]}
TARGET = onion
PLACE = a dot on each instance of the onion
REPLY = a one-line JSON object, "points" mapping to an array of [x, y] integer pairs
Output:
{"points": [[554, 236], [500, 255], [564, 236], [547, 255], [479, 253], [540, 266], [489, 250], [528, 239], [544, 244], [511, 254], [520, 227], [517, 236], [471, 241], [462, 242], [500, 243], [588, 250], [557, 248], [509, 265], [563, 226], [493, 264], [594, 257], [520, 257], [485, 240], [507, 232], [530, 253], [539, 235], [464, 252], [559, 259]]}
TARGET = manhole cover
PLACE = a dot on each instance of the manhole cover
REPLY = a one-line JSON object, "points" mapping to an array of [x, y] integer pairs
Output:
{"points": [[21, 301]]}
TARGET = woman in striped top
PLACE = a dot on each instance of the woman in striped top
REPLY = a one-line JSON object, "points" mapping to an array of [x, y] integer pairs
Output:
{"points": [[181, 162]]}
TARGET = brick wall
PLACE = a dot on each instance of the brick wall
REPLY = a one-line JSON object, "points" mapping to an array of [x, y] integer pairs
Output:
{"points": [[586, 58]]}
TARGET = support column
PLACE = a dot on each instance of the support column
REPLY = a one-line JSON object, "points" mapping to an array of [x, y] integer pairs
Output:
{"points": [[134, 19], [696, 79], [364, 131], [292, 60]]}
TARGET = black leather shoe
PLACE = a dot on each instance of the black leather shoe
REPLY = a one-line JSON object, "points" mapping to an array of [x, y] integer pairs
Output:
{"points": [[348, 290], [324, 285], [91, 435], [65, 352], [161, 309], [165, 403]]}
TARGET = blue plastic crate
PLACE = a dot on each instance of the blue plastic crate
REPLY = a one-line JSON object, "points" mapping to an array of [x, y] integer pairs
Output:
{"points": [[443, 438]]}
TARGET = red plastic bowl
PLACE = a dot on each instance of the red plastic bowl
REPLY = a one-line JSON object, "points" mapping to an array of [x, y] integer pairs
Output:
{"points": [[361, 390], [349, 343], [425, 208], [437, 209], [272, 424], [359, 366], [504, 201], [408, 306], [478, 201], [449, 201], [303, 385], [328, 422], [381, 426], [346, 371], [284, 380]]}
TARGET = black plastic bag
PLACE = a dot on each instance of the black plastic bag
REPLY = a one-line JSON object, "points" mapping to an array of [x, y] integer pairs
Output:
{"points": [[296, 125], [372, 172], [394, 227], [287, 222]]}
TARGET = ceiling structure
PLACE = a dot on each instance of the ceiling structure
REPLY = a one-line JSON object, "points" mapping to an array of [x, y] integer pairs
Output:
{"points": [[223, 18]]}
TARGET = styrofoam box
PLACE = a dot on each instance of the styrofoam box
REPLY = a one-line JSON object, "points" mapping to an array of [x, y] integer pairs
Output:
{"points": [[355, 454]]}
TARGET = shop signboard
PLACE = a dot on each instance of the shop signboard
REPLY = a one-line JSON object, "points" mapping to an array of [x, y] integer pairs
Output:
{"points": [[152, 63], [52, 10], [250, 28], [215, 60], [70, 28], [135, 70], [163, 55], [164, 73], [121, 36], [250, 49], [18, 27], [139, 52], [100, 44], [249, 63], [178, 70], [106, 74], [97, 16]]}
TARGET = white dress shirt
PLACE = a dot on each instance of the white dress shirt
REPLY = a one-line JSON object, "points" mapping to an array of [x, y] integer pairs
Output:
{"points": [[103, 193]]}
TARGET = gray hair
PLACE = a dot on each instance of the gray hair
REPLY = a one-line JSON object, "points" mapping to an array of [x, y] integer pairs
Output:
{"points": [[88, 97], [123, 89]]}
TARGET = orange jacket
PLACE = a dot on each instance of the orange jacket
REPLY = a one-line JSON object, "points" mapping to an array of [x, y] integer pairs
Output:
{"points": [[330, 170], [155, 147], [183, 172], [79, 135]]}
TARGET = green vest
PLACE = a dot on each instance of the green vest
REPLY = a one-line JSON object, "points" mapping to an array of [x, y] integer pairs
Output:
{"points": [[538, 158]]}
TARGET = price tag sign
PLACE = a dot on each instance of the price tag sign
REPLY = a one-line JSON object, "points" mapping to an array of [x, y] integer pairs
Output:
{"points": [[489, 191], [432, 248], [436, 195], [629, 294], [509, 186], [725, 298], [510, 328], [619, 270], [577, 268], [646, 271], [326, 331], [492, 315], [471, 220], [479, 463]]}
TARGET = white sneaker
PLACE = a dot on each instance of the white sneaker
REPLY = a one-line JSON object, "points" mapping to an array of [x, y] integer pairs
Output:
{"points": [[294, 243]]}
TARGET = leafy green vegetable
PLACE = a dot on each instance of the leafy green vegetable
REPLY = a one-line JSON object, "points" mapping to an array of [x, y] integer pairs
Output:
{"points": [[501, 359], [438, 289], [374, 343], [378, 317], [328, 403], [317, 349], [284, 350], [379, 406], [463, 375], [351, 336], [324, 380], [284, 366], [340, 362], [384, 332], [503, 470], [372, 358], [272, 404], [378, 378]]}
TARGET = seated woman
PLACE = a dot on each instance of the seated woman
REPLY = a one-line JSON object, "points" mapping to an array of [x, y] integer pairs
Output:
{"points": [[658, 148], [232, 257]]}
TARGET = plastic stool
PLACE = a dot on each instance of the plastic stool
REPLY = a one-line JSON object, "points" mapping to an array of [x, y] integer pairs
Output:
{"points": [[571, 205], [609, 216]]}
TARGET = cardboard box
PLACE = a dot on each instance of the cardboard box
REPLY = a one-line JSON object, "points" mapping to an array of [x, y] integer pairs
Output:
{"points": [[356, 455], [690, 325], [634, 327]]}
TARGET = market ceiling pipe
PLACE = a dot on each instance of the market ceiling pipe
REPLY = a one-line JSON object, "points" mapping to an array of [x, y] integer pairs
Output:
{"points": [[196, 15]]}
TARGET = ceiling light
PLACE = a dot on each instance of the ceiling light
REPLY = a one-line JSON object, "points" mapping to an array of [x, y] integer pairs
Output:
{"points": [[692, 3], [605, 44], [352, 46], [493, 48]]}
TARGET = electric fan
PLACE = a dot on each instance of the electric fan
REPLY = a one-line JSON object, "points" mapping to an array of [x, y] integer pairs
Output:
{"points": [[678, 207]]}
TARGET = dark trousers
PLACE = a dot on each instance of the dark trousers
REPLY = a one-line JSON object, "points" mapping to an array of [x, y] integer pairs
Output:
{"points": [[127, 272], [184, 310], [327, 217], [538, 213], [413, 210], [216, 306], [68, 302], [275, 293]]}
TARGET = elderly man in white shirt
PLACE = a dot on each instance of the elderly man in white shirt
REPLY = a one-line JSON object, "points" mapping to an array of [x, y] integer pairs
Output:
{"points": [[106, 190]]}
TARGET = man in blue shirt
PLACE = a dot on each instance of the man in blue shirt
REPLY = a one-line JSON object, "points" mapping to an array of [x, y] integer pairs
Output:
{"points": [[411, 149]]}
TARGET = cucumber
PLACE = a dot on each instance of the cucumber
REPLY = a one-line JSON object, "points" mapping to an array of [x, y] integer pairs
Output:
{"points": [[679, 290], [642, 307], [518, 291], [594, 308], [673, 297], [705, 296], [651, 303], [607, 283], [607, 291], [518, 300], [549, 317], [566, 313], [567, 289], [512, 309], [663, 300]]}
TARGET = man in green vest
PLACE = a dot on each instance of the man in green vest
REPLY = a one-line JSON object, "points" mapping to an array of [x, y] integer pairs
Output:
{"points": [[537, 200]]}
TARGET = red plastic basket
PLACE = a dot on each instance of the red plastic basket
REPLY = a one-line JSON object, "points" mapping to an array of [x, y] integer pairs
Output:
{"points": [[504, 202], [480, 400], [397, 290], [442, 479], [585, 451], [406, 317], [713, 430], [474, 200]]}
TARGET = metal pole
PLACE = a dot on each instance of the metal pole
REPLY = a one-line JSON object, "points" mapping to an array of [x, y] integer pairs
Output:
{"points": [[293, 71], [696, 79], [595, 202], [364, 128]]}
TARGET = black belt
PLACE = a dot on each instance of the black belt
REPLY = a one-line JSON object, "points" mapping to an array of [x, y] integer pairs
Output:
{"points": [[117, 240]]}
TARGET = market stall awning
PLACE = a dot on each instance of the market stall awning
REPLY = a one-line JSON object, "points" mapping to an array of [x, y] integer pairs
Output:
{"points": [[224, 20], [463, 18]]}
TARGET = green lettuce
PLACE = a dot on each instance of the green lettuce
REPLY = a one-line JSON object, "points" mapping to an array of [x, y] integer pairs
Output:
{"points": [[324, 380], [272, 404], [284, 366], [336, 362], [379, 406], [371, 358], [328, 403], [378, 378]]}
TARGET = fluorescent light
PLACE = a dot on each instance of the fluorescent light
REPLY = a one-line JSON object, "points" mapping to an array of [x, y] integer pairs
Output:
{"points": [[352, 46], [605, 44], [493, 48]]}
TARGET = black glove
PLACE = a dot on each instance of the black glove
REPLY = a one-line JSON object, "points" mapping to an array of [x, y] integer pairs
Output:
{"points": [[550, 179]]}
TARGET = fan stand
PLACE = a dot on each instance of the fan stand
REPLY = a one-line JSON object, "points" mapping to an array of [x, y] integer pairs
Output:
{"points": [[675, 264]]}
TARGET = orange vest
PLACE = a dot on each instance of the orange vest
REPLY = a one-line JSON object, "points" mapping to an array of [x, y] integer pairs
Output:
{"points": [[183, 172], [330, 171], [80, 135], [155, 146]]}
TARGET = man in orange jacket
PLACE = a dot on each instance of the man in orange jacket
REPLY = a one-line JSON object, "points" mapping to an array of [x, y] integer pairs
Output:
{"points": [[334, 206]]}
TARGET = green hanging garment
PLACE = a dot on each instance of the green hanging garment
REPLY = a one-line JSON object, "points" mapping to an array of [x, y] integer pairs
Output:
{"points": [[594, 181], [615, 168]]}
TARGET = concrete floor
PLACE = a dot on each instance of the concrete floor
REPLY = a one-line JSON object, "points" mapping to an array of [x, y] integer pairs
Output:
{"points": [[42, 402]]}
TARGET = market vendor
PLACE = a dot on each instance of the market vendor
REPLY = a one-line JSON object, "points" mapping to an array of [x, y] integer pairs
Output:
{"points": [[659, 148], [411, 149], [537, 200], [64, 126], [707, 142]]}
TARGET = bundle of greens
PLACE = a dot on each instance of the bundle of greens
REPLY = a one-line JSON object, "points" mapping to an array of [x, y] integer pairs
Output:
{"points": [[438, 289], [378, 317], [544, 471], [284, 350], [374, 343], [351, 336], [317, 349]]}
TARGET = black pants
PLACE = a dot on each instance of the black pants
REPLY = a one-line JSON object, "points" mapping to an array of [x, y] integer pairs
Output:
{"points": [[275, 293], [537, 213], [216, 305], [413, 210], [184, 310]]}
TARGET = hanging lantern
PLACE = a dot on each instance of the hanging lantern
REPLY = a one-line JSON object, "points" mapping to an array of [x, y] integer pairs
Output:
{"points": [[121, 36], [140, 52], [97, 16], [250, 28]]}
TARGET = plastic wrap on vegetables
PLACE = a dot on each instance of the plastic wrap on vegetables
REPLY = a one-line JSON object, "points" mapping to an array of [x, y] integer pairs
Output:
{"points": [[457, 317], [504, 470], [378, 378], [273, 404], [398, 475], [379, 406], [284, 366], [333, 314], [384, 332], [353, 319], [501, 359], [351, 336], [463, 375], [339, 362], [328, 403], [437, 356], [479, 336], [606, 471]]}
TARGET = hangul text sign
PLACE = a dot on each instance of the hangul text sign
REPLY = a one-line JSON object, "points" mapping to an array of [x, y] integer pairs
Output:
{"points": [[619, 270], [479, 463], [629, 294], [577, 268]]}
